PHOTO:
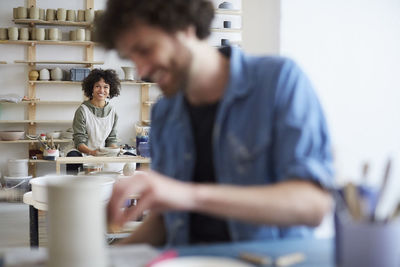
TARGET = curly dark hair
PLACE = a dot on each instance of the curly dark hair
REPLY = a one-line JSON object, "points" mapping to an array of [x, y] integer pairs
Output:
{"points": [[169, 15], [110, 77]]}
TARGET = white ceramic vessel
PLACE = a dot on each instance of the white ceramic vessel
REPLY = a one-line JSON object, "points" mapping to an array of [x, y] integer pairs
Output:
{"points": [[129, 74], [56, 74], [44, 75]]}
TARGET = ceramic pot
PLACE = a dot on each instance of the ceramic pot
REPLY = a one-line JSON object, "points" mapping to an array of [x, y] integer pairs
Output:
{"points": [[89, 15], [53, 34], [80, 34], [61, 14], [56, 74], [88, 35], [227, 24], [50, 14], [128, 73], [22, 12], [59, 34], [46, 34], [40, 34], [24, 34], [42, 14], [44, 75], [71, 15], [72, 35], [15, 12], [33, 75], [34, 12], [3, 34], [33, 33], [81, 15], [13, 33]]}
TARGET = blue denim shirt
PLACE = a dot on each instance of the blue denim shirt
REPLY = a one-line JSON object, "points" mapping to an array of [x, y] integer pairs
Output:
{"points": [[269, 128]]}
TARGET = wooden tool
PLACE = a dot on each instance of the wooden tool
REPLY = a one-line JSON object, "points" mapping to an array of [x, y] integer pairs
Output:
{"points": [[352, 199]]}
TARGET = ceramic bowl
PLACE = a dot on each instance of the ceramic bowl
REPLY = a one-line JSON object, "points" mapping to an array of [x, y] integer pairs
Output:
{"points": [[226, 5], [11, 135], [110, 151], [55, 135]]}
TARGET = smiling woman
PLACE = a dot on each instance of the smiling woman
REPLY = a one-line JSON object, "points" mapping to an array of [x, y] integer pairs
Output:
{"points": [[95, 120]]}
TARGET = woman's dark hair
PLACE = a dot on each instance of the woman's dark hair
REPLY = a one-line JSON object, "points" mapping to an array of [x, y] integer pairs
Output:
{"points": [[169, 15], [110, 77]]}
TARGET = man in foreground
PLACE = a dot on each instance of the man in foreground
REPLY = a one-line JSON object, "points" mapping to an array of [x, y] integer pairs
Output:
{"points": [[239, 144]]}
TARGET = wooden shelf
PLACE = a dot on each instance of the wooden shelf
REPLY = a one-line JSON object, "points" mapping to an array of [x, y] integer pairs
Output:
{"points": [[3, 62], [59, 62], [228, 11], [48, 42], [45, 22], [226, 30], [56, 82], [34, 141], [148, 103], [45, 102], [136, 83], [146, 122], [36, 121], [67, 160]]}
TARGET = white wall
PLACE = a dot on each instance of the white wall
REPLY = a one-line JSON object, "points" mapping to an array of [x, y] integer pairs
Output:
{"points": [[351, 51]]}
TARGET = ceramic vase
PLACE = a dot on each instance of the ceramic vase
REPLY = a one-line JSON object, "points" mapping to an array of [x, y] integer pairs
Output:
{"points": [[22, 12], [24, 34], [40, 34], [15, 12], [53, 34], [81, 15], [56, 74], [3, 34], [44, 75], [13, 33], [71, 15], [59, 34], [61, 14], [80, 35], [50, 14], [89, 15], [72, 35], [34, 12], [88, 35], [33, 75], [128, 71], [42, 14]]}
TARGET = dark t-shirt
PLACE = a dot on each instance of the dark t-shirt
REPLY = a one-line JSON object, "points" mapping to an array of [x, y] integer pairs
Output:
{"points": [[203, 228]]}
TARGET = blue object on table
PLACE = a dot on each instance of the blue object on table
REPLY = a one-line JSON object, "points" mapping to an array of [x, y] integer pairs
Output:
{"points": [[144, 149], [318, 252]]}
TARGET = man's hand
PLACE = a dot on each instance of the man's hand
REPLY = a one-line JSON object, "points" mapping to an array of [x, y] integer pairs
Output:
{"points": [[157, 193]]}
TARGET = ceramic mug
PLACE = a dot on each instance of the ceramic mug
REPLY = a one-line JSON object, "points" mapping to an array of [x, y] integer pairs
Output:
{"points": [[53, 34], [3, 34], [50, 14], [80, 34], [44, 75], [40, 34], [22, 12], [34, 12], [13, 33], [24, 34], [42, 14], [71, 15], [89, 15], [81, 15], [61, 14]]}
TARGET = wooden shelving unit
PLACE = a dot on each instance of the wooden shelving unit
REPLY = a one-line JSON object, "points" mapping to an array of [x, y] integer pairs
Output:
{"points": [[226, 30], [33, 22], [78, 83], [3, 62], [43, 102], [47, 42], [32, 122]]}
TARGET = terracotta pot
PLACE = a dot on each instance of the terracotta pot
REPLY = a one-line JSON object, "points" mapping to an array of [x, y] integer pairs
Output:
{"points": [[33, 75]]}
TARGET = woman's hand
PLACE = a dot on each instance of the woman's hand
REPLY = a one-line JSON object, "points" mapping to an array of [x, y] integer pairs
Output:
{"points": [[93, 152]]}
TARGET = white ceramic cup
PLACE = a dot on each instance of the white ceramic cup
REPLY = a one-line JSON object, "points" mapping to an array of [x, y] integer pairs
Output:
{"points": [[13, 33], [50, 14], [80, 34], [40, 34], [61, 14], [81, 15], [22, 12], [71, 15], [34, 12], [3, 33], [44, 75], [24, 34], [89, 15], [53, 34], [76, 223]]}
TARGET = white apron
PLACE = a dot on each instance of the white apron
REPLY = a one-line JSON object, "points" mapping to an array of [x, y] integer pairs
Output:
{"points": [[98, 129]]}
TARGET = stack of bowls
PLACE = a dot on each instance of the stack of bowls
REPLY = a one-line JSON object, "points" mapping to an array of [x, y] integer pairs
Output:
{"points": [[17, 179]]}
